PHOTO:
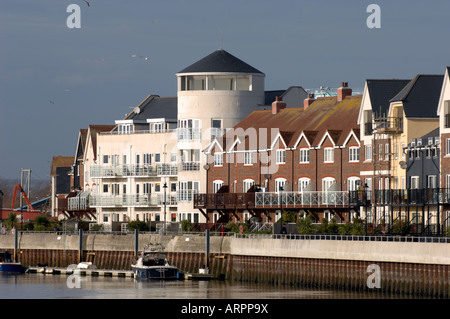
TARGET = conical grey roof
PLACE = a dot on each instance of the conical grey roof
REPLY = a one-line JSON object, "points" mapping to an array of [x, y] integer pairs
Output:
{"points": [[220, 61]]}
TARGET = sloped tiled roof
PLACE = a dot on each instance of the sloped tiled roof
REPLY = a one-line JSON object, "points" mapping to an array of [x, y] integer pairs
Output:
{"points": [[220, 61], [154, 106], [60, 161], [325, 114], [381, 91], [420, 97]]}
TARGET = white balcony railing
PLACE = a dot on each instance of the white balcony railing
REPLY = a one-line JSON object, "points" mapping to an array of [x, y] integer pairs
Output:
{"points": [[294, 199], [189, 134], [132, 200], [133, 170], [186, 195], [190, 166]]}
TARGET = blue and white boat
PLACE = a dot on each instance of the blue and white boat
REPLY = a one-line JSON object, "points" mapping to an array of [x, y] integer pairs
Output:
{"points": [[7, 265], [153, 264]]}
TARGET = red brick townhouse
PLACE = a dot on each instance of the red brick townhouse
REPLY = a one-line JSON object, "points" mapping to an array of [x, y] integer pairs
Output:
{"points": [[286, 159]]}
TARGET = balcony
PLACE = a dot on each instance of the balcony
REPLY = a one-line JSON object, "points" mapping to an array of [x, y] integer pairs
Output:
{"points": [[389, 125], [189, 134], [132, 200], [190, 166], [133, 170], [272, 200], [400, 197]]}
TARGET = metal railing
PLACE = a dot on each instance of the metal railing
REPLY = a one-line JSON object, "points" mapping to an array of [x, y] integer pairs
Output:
{"points": [[132, 200], [425, 196], [189, 134], [190, 166], [133, 170], [294, 199], [186, 195]]}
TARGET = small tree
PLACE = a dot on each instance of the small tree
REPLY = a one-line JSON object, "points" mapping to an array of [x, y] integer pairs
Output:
{"points": [[11, 221], [41, 222], [305, 225], [137, 224]]}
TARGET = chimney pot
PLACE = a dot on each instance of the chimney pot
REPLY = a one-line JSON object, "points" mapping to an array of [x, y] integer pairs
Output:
{"points": [[278, 105], [343, 91], [307, 102]]}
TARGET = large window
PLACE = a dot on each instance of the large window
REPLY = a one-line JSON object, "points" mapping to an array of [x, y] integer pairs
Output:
{"points": [[328, 155], [216, 82], [217, 185], [303, 184], [368, 151], [354, 154], [280, 184], [248, 158], [281, 156], [247, 183], [304, 155]]}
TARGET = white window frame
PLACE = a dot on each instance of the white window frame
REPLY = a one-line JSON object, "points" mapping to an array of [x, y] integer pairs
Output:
{"points": [[217, 184], [368, 152], [280, 182], [218, 159], [352, 183], [304, 155], [248, 158], [246, 184], [353, 154], [281, 156], [303, 183], [328, 155], [415, 182]]}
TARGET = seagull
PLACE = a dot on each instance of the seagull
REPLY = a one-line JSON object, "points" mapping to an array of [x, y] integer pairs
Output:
{"points": [[156, 20], [88, 4], [51, 101]]}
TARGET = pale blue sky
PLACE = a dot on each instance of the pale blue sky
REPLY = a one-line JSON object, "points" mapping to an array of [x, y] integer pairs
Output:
{"points": [[90, 78]]}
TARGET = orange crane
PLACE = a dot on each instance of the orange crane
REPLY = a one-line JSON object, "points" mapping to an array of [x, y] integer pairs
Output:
{"points": [[19, 188]]}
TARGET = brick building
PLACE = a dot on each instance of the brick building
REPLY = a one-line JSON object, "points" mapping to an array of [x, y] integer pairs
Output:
{"points": [[303, 159]]}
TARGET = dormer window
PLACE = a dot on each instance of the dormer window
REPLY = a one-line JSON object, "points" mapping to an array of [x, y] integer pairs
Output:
{"points": [[125, 128]]}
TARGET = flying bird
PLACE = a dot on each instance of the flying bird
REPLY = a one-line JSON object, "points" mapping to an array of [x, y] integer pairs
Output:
{"points": [[51, 101], [88, 4]]}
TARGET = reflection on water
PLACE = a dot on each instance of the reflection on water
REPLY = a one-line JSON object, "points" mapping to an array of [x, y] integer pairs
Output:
{"points": [[41, 286]]}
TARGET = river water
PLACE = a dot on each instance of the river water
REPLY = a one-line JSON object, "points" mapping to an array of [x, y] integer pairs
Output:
{"points": [[45, 286]]}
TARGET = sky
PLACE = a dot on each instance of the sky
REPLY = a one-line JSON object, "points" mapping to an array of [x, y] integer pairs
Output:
{"points": [[56, 80]]}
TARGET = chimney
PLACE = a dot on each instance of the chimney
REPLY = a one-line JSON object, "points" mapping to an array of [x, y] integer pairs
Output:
{"points": [[343, 91], [278, 105], [307, 102]]}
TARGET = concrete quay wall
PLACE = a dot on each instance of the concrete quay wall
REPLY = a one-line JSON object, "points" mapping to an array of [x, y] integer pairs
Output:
{"points": [[406, 267]]}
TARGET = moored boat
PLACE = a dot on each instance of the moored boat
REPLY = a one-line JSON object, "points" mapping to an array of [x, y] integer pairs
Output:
{"points": [[7, 265], [153, 264]]}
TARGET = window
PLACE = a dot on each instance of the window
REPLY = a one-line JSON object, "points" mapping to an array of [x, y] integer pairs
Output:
{"points": [[368, 152], [447, 148], [403, 152], [217, 185], [248, 158], [280, 184], [173, 187], [157, 187], [414, 182], [105, 159], [173, 157], [157, 158], [247, 184], [216, 128], [281, 156], [328, 155], [354, 154], [147, 158], [303, 184], [156, 127], [304, 155], [115, 189], [353, 183], [218, 159], [431, 182], [105, 218], [147, 188], [386, 152], [105, 188]]}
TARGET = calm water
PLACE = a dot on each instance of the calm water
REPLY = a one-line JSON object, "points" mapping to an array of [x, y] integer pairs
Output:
{"points": [[41, 286]]}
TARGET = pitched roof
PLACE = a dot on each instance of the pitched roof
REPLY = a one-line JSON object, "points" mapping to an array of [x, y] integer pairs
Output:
{"points": [[420, 97], [154, 106], [381, 91], [220, 61], [93, 130], [60, 161], [325, 114]]}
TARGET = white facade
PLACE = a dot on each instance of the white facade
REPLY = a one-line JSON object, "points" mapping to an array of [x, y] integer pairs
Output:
{"points": [[208, 104]]}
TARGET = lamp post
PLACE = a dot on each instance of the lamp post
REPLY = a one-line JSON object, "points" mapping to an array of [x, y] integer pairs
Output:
{"points": [[165, 188]]}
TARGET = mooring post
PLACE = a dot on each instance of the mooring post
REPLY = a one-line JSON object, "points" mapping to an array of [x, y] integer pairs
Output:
{"points": [[80, 245], [207, 249], [16, 243], [136, 242]]}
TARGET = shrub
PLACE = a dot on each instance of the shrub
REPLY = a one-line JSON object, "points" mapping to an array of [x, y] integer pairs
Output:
{"points": [[305, 225], [137, 224]]}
